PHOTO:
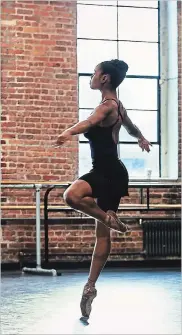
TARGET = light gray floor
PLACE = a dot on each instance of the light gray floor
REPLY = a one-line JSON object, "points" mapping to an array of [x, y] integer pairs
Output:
{"points": [[128, 302]]}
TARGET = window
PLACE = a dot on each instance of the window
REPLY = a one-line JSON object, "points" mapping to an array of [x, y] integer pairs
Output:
{"points": [[127, 30]]}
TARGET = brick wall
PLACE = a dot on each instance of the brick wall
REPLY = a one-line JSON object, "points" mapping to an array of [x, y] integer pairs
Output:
{"points": [[39, 100], [39, 89], [66, 239]]}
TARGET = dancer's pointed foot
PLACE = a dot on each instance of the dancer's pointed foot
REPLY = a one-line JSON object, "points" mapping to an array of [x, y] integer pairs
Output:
{"points": [[89, 293], [113, 222]]}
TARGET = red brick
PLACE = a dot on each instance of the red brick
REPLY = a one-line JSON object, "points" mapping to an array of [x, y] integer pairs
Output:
{"points": [[24, 11], [25, 80], [41, 36]]}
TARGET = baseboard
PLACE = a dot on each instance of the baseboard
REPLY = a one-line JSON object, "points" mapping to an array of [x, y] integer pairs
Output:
{"points": [[150, 263]]}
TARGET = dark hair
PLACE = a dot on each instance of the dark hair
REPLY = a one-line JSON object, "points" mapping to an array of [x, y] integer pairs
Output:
{"points": [[116, 69]]}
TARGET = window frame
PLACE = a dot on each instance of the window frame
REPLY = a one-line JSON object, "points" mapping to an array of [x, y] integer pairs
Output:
{"points": [[155, 77]]}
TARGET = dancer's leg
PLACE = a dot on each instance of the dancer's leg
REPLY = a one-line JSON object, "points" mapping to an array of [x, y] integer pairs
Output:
{"points": [[101, 251], [79, 197], [100, 254], [103, 239]]}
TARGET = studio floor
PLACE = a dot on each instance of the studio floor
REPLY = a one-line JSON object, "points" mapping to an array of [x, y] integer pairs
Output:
{"points": [[129, 301]]}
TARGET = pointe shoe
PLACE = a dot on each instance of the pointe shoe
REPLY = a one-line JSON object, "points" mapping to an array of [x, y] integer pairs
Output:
{"points": [[89, 293], [115, 223]]}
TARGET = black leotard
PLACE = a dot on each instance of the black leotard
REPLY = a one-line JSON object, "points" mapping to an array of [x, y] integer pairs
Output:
{"points": [[101, 141], [109, 177]]}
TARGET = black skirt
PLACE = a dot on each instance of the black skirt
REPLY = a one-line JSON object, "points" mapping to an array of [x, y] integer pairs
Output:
{"points": [[109, 182]]}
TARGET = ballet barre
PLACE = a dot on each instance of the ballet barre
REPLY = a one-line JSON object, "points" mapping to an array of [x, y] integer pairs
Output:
{"points": [[49, 186]]}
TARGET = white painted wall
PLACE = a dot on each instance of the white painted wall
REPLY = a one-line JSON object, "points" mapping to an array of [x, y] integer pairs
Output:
{"points": [[169, 89]]}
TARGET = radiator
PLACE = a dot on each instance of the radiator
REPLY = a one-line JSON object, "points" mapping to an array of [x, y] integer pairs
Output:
{"points": [[162, 238]]}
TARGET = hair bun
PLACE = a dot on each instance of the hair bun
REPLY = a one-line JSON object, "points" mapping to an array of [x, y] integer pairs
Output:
{"points": [[120, 64], [116, 69]]}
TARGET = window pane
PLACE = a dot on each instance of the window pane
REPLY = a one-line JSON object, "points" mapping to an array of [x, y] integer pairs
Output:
{"points": [[142, 58], [96, 2], [83, 115], [90, 53], [87, 98], [146, 121], [138, 3], [97, 22], [138, 93], [138, 162], [138, 24], [85, 162]]}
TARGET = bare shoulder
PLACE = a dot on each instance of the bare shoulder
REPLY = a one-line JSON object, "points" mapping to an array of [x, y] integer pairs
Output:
{"points": [[110, 104]]}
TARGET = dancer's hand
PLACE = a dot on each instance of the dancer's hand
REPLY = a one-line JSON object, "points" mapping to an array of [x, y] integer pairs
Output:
{"points": [[144, 144], [65, 136]]}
